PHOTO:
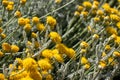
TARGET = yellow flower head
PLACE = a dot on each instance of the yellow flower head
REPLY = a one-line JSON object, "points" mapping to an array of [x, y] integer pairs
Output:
{"points": [[27, 21], [116, 54], [40, 27], [21, 21], [55, 37], [61, 48], [1, 54], [84, 44], [100, 12], [114, 17], [70, 52], [107, 48], [1, 30], [118, 25], [106, 7], [47, 53], [117, 40], [95, 36], [79, 8], [111, 61], [87, 66], [14, 48], [2, 77], [110, 30], [84, 60], [34, 35], [46, 75], [51, 21], [58, 57], [30, 64], [76, 13], [23, 2], [27, 27], [2, 35], [87, 4], [44, 64], [35, 75], [6, 47], [5, 2], [102, 64], [58, 1], [10, 7], [36, 44], [26, 78], [103, 54], [35, 20], [18, 14]]}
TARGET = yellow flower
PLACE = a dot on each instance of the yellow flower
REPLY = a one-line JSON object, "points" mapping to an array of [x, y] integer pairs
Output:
{"points": [[102, 64], [106, 7], [5, 2], [34, 35], [103, 54], [1, 54], [100, 12], [116, 54], [27, 21], [114, 11], [51, 21], [58, 57], [113, 36], [114, 17], [87, 66], [1, 30], [107, 48], [117, 40], [76, 13], [10, 7], [2, 77], [6, 47], [79, 8], [118, 25], [84, 13], [14, 48], [84, 60], [58, 1], [44, 64], [55, 37], [12, 66], [87, 4], [18, 14], [26, 78], [2, 35], [110, 30], [36, 44], [70, 53], [35, 75], [61, 48], [30, 64], [21, 21], [23, 2], [40, 27], [84, 44], [19, 61], [111, 61], [95, 36], [35, 20], [47, 53], [46, 75], [27, 27]]}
